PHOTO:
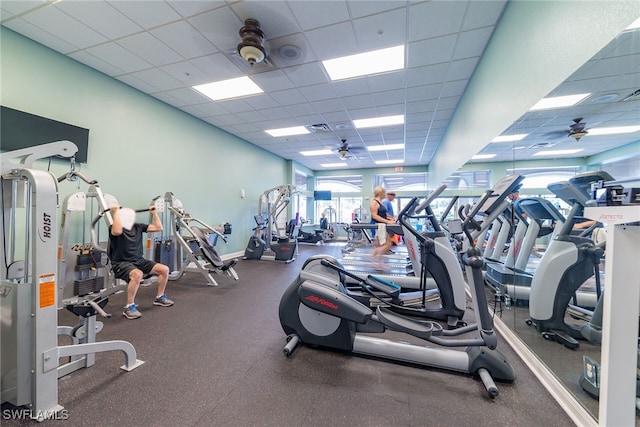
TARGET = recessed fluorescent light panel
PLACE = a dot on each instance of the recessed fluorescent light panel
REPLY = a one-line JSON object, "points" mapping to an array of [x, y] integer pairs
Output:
{"points": [[386, 147], [613, 130], [332, 165], [483, 156], [557, 152], [559, 102], [362, 64], [295, 130], [316, 153], [509, 138], [389, 162], [379, 122], [226, 89]]}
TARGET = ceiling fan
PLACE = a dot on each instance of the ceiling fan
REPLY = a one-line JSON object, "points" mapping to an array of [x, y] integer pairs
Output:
{"points": [[576, 130], [345, 151], [252, 51]]}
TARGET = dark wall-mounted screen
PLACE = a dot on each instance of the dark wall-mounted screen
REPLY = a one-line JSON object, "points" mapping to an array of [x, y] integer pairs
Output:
{"points": [[23, 130], [322, 195]]}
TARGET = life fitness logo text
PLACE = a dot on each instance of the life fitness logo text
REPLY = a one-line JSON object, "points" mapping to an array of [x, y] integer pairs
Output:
{"points": [[324, 302], [45, 228]]}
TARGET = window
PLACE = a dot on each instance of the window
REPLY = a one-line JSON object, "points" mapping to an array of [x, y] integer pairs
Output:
{"points": [[402, 181], [541, 177], [340, 184], [300, 180], [469, 179]]}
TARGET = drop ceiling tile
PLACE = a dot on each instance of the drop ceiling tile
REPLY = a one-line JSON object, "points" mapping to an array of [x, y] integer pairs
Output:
{"points": [[315, 14], [426, 75], [421, 107], [275, 17], [396, 96], [272, 81], [101, 17], [20, 26], [434, 19], [210, 108], [306, 74], [483, 13], [220, 27], [455, 88], [137, 83], [54, 21], [276, 113], [152, 50], [365, 8], [217, 67], [333, 41], [327, 106], [431, 51], [186, 96], [301, 110], [17, 7], [94, 62], [168, 98], [318, 92], [288, 96], [425, 92], [186, 72], [381, 30], [147, 14], [159, 79], [261, 102], [351, 87], [356, 101], [462, 69], [119, 57], [188, 8], [236, 105], [472, 43], [386, 81], [184, 39]]}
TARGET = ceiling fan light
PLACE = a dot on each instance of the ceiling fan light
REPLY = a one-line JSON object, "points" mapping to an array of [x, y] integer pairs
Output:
{"points": [[253, 54], [578, 135]]}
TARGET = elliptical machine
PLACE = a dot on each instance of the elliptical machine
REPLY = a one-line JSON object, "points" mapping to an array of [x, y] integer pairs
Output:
{"points": [[567, 263], [318, 311]]}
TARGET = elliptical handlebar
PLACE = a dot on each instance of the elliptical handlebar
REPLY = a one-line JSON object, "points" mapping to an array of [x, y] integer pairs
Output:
{"points": [[469, 223], [430, 198]]}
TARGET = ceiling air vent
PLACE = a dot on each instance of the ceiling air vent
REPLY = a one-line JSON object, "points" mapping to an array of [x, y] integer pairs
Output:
{"points": [[543, 145], [320, 127], [633, 96]]}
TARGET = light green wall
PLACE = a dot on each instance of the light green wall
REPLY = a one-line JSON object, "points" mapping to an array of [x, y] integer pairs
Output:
{"points": [[140, 147]]}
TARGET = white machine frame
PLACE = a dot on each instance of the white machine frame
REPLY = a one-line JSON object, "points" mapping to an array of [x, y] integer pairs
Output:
{"points": [[30, 350]]}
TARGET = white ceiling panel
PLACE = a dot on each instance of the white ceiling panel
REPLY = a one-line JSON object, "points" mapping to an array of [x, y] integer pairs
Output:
{"points": [[184, 39], [152, 50], [102, 17], [147, 14]]}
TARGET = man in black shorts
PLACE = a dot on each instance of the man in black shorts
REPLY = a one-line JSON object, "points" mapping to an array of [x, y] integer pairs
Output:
{"points": [[125, 252]]}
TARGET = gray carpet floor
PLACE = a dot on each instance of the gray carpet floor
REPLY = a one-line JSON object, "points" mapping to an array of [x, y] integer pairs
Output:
{"points": [[215, 359]]}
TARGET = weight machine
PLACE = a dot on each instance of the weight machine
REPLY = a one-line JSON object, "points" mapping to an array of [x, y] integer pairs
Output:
{"points": [[274, 239], [30, 364], [187, 247]]}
